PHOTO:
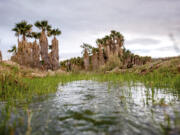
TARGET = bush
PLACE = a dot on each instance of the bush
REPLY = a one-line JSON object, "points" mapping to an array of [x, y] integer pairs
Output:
{"points": [[113, 62]]}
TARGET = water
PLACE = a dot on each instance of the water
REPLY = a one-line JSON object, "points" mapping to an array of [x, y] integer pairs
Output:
{"points": [[90, 108]]}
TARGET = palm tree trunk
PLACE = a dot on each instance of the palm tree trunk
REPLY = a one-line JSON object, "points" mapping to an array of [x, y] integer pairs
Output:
{"points": [[86, 59], [18, 38], [24, 37]]}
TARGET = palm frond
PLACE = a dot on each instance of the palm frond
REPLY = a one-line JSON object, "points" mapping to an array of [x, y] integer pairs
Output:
{"points": [[13, 49]]}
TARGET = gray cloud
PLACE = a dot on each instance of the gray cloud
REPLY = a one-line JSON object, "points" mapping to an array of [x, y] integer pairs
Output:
{"points": [[84, 20], [143, 41]]}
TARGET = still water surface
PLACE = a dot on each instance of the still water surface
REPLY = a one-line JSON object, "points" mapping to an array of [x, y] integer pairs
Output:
{"points": [[90, 108]]}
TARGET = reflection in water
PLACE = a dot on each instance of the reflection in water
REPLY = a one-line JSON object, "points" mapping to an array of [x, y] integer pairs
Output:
{"points": [[88, 107]]}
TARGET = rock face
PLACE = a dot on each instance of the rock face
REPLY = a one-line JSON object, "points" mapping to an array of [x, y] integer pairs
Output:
{"points": [[86, 60], [55, 54], [0, 56], [94, 61], [44, 50]]}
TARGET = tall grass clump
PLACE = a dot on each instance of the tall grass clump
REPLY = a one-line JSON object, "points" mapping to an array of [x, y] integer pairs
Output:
{"points": [[16, 87], [113, 62], [11, 86]]}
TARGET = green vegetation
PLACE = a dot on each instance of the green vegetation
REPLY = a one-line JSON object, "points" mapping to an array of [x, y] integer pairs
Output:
{"points": [[32, 53], [17, 90], [25, 30], [69, 65], [13, 50], [22, 28], [14, 84], [108, 53], [43, 25], [14, 87]]}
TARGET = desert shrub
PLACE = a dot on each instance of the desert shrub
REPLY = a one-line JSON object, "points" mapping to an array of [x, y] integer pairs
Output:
{"points": [[113, 62]]}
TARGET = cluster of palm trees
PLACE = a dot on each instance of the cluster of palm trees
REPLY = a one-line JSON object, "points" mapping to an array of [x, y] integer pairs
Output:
{"points": [[23, 30], [72, 64], [112, 39], [110, 45], [129, 59]]}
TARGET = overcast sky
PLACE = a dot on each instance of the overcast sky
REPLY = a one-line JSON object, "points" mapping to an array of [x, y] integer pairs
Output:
{"points": [[145, 24]]}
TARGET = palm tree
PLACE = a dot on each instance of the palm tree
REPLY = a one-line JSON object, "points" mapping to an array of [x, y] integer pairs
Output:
{"points": [[87, 47], [17, 30], [22, 28], [120, 38], [54, 32], [13, 49], [43, 25], [36, 35], [50, 47], [99, 41], [113, 31]]}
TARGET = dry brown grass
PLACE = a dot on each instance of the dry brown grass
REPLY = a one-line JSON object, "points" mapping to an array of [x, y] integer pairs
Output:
{"points": [[14, 68]]}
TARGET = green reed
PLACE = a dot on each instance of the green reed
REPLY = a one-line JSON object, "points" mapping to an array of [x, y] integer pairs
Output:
{"points": [[15, 89]]}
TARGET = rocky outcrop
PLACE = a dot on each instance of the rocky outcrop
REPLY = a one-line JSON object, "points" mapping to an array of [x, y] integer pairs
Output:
{"points": [[0, 56], [86, 60]]}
